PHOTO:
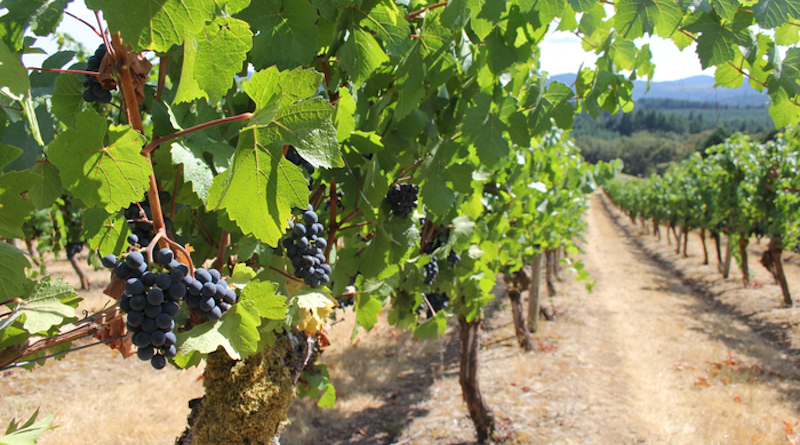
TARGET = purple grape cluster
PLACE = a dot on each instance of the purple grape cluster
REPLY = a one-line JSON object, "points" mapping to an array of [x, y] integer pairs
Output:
{"points": [[431, 270], [151, 300], [453, 258], [306, 250], [438, 301], [94, 91], [403, 199], [294, 157], [209, 294]]}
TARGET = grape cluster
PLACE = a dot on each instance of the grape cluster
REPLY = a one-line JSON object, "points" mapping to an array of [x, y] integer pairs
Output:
{"points": [[431, 270], [151, 302], [437, 300], [403, 199], [306, 250], [339, 205], [74, 249], [94, 91], [347, 300], [209, 294], [453, 258], [296, 159], [142, 232]]}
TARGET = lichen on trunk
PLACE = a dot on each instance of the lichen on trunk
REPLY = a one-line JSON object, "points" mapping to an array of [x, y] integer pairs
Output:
{"points": [[246, 401]]}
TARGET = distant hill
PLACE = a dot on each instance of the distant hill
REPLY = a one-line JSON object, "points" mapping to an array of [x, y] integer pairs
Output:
{"points": [[695, 89]]}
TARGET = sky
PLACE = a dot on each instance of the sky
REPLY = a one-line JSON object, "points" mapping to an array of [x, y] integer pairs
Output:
{"points": [[561, 52]]}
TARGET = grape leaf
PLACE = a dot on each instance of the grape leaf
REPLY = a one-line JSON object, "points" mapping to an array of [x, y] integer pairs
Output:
{"points": [[27, 433], [328, 397], [726, 8], [774, 13], [50, 303], [634, 18], [14, 210], [240, 326], [15, 84], [207, 337], [43, 193], [783, 111], [343, 117], [361, 55], [260, 188], [788, 34], [437, 171], [265, 302], [387, 22], [155, 24], [67, 99], [727, 75], [43, 82], [367, 309], [8, 154], [211, 59], [47, 17], [484, 130], [715, 44], [12, 266], [111, 176], [432, 328], [308, 127], [287, 34], [16, 135], [105, 233]]}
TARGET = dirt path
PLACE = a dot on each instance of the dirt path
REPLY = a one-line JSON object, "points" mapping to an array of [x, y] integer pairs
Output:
{"points": [[690, 373]]}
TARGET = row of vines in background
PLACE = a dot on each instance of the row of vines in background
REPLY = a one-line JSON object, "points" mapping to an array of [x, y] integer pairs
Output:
{"points": [[421, 136], [739, 189]]}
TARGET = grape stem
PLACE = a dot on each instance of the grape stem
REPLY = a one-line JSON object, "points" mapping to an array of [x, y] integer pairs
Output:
{"points": [[430, 306], [361, 224], [404, 173], [420, 11], [334, 226], [162, 76], [56, 70], [291, 277], [153, 145], [85, 23], [56, 354], [152, 246], [224, 240], [175, 191], [109, 47]]}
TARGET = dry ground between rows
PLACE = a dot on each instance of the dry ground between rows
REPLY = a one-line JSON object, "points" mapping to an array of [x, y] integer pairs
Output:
{"points": [[662, 352]]}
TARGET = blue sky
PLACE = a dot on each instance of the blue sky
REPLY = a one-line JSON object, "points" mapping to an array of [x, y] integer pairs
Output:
{"points": [[561, 51]]}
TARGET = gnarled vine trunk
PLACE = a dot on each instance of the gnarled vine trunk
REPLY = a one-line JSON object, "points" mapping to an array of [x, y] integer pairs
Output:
{"points": [[717, 244], [669, 239], [743, 241], [515, 283], [550, 272], [726, 265], [677, 238], [703, 242], [534, 291], [685, 231], [479, 411], [656, 230], [771, 259], [559, 253]]}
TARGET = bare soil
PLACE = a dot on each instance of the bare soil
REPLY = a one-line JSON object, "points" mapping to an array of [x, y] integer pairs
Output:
{"points": [[662, 352]]}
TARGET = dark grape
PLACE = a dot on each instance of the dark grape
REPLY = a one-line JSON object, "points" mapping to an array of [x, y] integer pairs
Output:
{"points": [[163, 321], [141, 339], [125, 304], [177, 291], [158, 338], [202, 275], [169, 351], [403, 199], [155, 296], [148, 279], [164, 281], [152, 311], [145, 353], [135, 318], [170, 339], [215, 275], [122, 271], [296, 159], [134, 260], [109, 261], [149, 325], [165, 256], [158, 361], [453, 258], [138, 302], [171, 308], [431, 270]]}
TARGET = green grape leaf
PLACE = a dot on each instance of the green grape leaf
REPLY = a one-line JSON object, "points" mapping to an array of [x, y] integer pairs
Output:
{"points": [[47, 17], [771, 14], [14, 210], [287, 34], [486, 14], [12, 270], [8, 154], [260, 188], [343, 117], [432, 327], [407, 100], [196, 170], [727, 75], [788, 34], [16, 21], [265, 302], [308, 127], [15, 84], [240, 326], [16, 135], [717, 40], [50, 303], [105, 233], [634, 18], [554, 103], [455, 14], [42, 194], [43, 82], [67, 99], [155, 24], [234, 334], [328, 397], [726, 8], [361, 55], [27, 433], [367, 309], [501, 54], [783, 111], [211, 59], [582, 5], [111, 176], [484, 130], [437, 171], [387, 22]]}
